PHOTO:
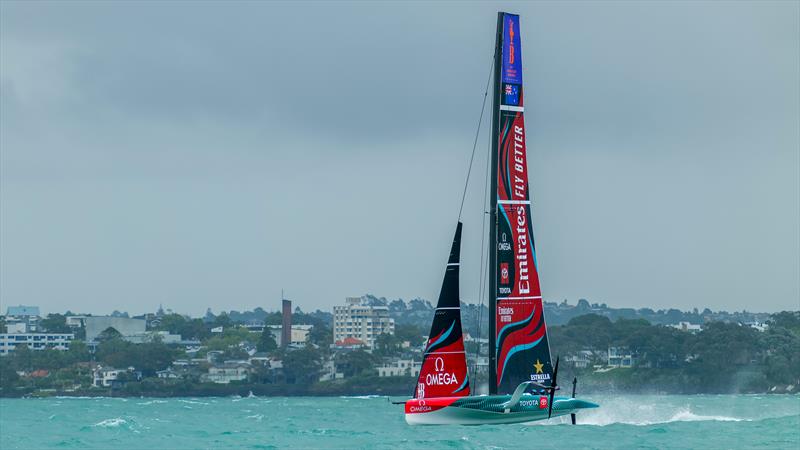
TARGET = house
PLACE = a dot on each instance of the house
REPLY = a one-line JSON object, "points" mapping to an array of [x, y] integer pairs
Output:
{"points": [[581, 359], [111, 377], [168, 373], [259, 358], [299, 334], [329, 372], [349, 343], [399, 368], [686, 326], [228, 371], [620, 357]]}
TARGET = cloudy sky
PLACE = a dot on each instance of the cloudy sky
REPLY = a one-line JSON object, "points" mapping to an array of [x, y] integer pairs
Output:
{"points": [[210, 154]]}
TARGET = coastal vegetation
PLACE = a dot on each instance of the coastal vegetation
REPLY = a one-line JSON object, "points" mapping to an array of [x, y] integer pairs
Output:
{"points": [[722, 357]]}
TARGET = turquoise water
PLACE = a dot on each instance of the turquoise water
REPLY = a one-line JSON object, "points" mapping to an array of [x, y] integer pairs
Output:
{"points": [[769, 421]]}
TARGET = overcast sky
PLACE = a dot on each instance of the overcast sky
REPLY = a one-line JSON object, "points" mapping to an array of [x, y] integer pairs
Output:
{"points": [[209, 154]]}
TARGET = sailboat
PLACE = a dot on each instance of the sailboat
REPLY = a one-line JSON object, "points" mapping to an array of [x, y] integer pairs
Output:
{"points": [[522, 378]]}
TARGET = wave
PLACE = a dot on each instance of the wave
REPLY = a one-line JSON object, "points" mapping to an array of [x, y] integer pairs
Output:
{"points": [[111, 423], [362, 397], [152, 402], [193, 402], [635, 417]]}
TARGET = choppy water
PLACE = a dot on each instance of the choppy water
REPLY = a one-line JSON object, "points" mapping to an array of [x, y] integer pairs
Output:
{"points": [[370, 422]]}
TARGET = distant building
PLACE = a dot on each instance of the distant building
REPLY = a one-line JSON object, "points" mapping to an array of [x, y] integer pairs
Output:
{"points": [[35, 341], [686, 326], [350, 343], [760, 326], [298, 333], [620, 357], [152, 336], [76, 321], [227, 372], [28, 316], [22, 311], [16, 327], [400, 367], [286, 325], [95, 325], [581, 359], [329, 372], [111, 377], [360, 321]]}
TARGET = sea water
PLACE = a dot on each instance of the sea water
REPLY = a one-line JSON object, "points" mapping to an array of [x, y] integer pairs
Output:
{"points": [[725, 421]]}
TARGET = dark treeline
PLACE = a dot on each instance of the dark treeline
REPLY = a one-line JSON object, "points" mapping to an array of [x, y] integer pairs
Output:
{"points": [[722, 358]]}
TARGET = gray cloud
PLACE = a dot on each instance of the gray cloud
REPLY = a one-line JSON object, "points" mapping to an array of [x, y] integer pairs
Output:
{"points": [[209, 154]]}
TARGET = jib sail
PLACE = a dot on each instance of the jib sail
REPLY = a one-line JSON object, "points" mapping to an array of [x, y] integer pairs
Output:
{"points": [[444, 365], [519, 350]]}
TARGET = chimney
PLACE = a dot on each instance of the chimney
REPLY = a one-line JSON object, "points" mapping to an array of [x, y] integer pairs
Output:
{"points": [[286, 329]]}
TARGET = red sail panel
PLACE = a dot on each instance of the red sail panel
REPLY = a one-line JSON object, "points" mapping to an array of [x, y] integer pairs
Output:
{"points": [[522, 350], [444, 365]]}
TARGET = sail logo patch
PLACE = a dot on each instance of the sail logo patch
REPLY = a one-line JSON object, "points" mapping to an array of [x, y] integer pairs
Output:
{"points": [[511, 95], [512, 57], [504, 273], [440, 377], [542, 402]]}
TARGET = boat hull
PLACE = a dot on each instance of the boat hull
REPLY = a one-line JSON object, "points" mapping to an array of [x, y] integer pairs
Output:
{"points": [[485, 410]]}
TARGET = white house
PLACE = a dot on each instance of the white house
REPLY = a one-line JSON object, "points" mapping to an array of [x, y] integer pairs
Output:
{"points": [[686, 326], [400, 367], [227, 372], [620, 357], [107, 376]]}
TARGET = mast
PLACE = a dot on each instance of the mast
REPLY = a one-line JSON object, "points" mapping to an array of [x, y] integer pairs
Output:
{"points": [[518, 337], [498, 50]]}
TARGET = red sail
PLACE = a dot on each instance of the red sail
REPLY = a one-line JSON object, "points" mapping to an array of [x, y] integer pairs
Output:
{"points": [[444, 365], [521, 348]]}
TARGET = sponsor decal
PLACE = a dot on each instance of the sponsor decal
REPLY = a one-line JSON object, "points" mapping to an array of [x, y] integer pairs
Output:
{"points": [[523, 278], [506, 314], [441, 376], [504, 273], [539, 375], [512, 60], [542, 402], [420, 407], [511, 95], [503, 245]]}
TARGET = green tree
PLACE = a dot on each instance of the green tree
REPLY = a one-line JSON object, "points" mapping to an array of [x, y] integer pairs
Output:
{"points": [[387, 345], [78, 351], [8, 376], [266, 343], [55, 323], [302, 365], [357, 362]]}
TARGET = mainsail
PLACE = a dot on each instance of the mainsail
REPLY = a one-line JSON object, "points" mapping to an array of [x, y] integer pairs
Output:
{"points": [[519, 350], [444, 365]]}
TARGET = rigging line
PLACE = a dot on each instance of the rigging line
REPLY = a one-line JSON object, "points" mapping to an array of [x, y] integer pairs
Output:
{"points": [[475, 142], [484, 251]]}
